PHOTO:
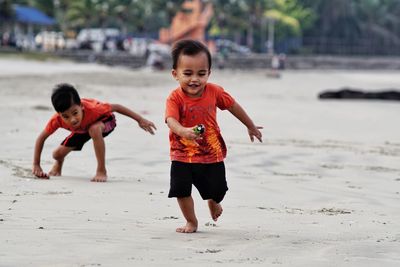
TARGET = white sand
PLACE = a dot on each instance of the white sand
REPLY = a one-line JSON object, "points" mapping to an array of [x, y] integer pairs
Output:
{"points": [[322, 190]]}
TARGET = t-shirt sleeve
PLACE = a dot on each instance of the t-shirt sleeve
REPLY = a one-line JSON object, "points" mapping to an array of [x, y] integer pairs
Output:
{"points": [[224, 100], [104, 107], [94, 110], [53, 124], [97, 107], [172, 108]]}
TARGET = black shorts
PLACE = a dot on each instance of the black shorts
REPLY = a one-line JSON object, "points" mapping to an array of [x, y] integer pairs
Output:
{"points": [[77, 140], [209, 179]]}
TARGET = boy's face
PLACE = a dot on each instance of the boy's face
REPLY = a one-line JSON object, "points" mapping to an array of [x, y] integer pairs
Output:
{"points": [[192, 73], [73, 116]]}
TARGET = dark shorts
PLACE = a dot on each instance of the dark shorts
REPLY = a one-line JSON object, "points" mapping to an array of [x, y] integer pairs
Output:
{"points": [[77, 140], [209, 179]]}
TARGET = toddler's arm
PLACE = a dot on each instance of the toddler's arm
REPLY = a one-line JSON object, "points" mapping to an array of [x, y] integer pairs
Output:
{"points": [[240, 114], [178, 129], [36, 168], [146, 125]]}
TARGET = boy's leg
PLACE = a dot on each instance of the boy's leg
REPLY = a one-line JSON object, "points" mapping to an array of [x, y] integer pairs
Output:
{"points": [[59, 155], [96, 133], [210, 180], [187, 207]]}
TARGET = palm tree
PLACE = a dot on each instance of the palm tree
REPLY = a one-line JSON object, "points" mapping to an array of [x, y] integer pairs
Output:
{"points": [[87, 13]]}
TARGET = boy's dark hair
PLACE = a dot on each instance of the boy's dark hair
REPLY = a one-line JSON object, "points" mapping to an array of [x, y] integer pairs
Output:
{"points": [[190, 48], [64, 96]]}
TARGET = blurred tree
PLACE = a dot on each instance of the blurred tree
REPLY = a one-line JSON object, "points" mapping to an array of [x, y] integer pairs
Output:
{"points": [[357, 26], [129, 15], [47, 6], [327, 26], [292, 18], [247, 20], [6, 11], [238, 20], [287, 19], [87, 13]]}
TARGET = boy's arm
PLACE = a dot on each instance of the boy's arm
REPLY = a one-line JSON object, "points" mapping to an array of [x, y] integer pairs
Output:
{"points": [[36, 168], [241, 115], [178, 129], [146, 125]]}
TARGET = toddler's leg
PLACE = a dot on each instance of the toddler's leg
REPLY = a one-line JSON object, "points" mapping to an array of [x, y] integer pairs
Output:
{"points": [[96, 133], [187, 207], [59, 155]]}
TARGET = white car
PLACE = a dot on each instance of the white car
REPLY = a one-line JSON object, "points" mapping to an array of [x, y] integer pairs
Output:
{"points": [[50, 40], [95, 38]]}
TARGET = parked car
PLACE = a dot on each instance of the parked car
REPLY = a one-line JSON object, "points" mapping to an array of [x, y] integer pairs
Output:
{"points": [[96, 38], [136, 46], [50, 40], [25, 42], [226, 46]]}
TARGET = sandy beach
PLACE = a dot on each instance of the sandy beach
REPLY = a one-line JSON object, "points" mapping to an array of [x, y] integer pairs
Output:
{"points": [[323, 189]]}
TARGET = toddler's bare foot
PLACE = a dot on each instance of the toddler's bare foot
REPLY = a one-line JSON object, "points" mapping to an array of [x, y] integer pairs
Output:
{"points": [[56, 170], [54, 173], [190, 227], [100, 177], [215, 209]]}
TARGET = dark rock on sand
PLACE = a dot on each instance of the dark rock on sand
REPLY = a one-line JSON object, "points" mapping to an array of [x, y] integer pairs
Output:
{"points": [[351, 93]]}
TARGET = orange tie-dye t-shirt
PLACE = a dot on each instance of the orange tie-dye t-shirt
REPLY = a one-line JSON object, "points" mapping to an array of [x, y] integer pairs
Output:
{"points": [[192, 111]]}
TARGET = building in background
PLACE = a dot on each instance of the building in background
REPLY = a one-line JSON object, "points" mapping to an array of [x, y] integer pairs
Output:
{"points": [[19, 30]]}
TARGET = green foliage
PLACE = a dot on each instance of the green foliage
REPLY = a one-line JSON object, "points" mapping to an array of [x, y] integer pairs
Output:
{"points": [[133, 15], [245, 21], [367, 26], [6, 11]]}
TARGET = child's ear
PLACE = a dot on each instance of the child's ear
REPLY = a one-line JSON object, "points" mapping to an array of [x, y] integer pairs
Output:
{"points": [[174, 74]]}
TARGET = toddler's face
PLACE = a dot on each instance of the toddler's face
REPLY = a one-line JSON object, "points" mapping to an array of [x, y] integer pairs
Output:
{"points": [[73, 116], [192, 73]]}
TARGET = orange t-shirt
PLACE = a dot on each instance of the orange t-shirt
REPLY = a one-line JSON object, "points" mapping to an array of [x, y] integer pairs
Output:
{"points": [[93, 111], [189, 112]]}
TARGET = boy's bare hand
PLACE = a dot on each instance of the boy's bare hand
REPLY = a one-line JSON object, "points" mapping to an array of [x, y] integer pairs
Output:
{"points": [[255, 132], [189, 134], [148, 126], [39, 173]]}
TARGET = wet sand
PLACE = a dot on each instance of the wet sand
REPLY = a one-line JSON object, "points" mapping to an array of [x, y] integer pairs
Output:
{"points": [[323, 189]]}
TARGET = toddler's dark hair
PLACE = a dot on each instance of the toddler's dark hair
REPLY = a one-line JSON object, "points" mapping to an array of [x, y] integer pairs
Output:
{"points": [[190, 48], [64, 96]]}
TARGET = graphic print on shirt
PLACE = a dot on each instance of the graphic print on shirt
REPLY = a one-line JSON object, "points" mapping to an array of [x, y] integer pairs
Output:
{"points": [[211, 142]]}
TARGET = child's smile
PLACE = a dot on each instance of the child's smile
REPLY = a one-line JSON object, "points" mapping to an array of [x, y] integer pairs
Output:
{"points": [[192, 73]]}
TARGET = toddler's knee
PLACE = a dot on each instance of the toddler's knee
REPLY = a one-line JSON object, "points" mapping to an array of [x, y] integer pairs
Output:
{"points": [[57, 155], [95, 130]]}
